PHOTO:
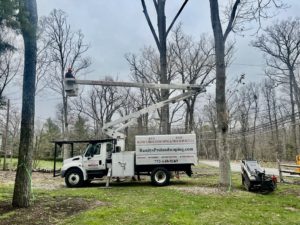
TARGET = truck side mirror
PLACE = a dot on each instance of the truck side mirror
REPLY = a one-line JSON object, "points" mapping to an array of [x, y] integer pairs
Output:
{"points": [[118, 149]]}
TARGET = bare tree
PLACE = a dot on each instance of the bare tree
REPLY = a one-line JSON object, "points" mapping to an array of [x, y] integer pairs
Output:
{"points": [[44, 61], [281, 44], [5, 137], [238, 13], [10, 62], [141, 99], [14, 131], [269, 94], [13, 135], [28, 21], [194, 64], [255, 93], [129, 105], [66, 49], [209, 112], [100, 105], [189, 62], [247, 98], [145, 69], [160, 38]]}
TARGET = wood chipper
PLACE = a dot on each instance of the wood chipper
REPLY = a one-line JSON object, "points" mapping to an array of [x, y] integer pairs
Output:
{"points": [[254, 178]]}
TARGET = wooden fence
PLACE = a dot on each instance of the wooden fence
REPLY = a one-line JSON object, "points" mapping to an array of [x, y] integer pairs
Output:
{"points": [[287, 169]]}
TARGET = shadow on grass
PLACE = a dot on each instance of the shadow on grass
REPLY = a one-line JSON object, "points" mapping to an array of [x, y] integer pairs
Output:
{"points": [[128, 183], [46, 210]]}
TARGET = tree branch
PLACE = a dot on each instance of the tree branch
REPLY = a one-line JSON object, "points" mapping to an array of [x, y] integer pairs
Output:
{"points": [[175, 18], [156, 5], [150, 24], [232, 17]]}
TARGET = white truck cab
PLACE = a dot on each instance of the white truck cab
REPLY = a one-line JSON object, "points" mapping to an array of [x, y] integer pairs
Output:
{"points": [[94, 162]]}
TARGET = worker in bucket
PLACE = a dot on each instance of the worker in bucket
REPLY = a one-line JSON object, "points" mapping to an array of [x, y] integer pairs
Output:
{"points": [[69, 74]]}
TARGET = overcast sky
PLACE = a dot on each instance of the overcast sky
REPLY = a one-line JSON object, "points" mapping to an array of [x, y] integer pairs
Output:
{"points": [[116, 27]]}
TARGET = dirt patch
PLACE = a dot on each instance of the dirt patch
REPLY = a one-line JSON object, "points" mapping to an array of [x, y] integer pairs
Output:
{"points": [[292, 191], [46, 210], [204, 190], [39, 180], [291, 209], [200, 175]]}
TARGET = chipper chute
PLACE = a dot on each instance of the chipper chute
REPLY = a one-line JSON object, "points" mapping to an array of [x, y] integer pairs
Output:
{"points": [[254, 178]]}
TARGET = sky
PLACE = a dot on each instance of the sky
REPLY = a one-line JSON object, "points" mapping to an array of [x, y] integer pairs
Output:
{"points": [[116, 27]]}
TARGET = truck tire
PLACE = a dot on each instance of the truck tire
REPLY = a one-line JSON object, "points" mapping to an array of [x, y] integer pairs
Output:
{"points": [[74, 178], [160, 176]]}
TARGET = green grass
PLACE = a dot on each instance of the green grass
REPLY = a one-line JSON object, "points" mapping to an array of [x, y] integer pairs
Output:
{"points": [[141, 203], [150, 205], [7, 215], [47, 164], [40, 164]]}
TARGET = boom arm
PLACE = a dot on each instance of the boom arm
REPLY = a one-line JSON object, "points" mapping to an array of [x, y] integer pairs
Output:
{"points": [[70, 82], [192, 89]]}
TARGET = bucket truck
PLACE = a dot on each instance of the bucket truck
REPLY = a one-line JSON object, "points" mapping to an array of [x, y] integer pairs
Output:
{"points": [[154, 155]]}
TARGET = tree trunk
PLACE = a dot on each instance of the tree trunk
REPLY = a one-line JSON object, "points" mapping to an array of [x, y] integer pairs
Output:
{"points": [[186, 121], [297, 98], [216, 149], [161, 42], [278, 140], [254, 133], [191, 115], [187, 117], [22, 189], [244, 145], [191, 120], [145, 122], [140, 123], [4, 145], [222, 116], [67, 150], [161, 23], [293, 116]]}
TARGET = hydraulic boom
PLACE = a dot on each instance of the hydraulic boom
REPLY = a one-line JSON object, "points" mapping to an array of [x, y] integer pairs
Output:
{"points": [[71, 88]]}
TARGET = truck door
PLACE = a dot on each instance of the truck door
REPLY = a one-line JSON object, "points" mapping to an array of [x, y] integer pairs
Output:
{"points": [[94, 157]]}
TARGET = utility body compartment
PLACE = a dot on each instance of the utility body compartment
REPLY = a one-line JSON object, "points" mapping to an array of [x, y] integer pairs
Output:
{"points": [[166, 149], [123, 164]]}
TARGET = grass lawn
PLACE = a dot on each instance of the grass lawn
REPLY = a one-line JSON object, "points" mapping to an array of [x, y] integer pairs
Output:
{"points": [[39, 164], [186, 201]]}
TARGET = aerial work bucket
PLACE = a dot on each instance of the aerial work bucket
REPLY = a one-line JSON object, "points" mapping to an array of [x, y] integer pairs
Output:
{"points": [[71, 87]]}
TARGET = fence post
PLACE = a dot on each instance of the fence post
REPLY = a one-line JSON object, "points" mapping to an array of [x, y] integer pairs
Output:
{"points": [[280, 173]]}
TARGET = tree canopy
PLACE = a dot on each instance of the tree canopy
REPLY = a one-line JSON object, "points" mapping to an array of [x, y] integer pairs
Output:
{"points": [[8, 14]]}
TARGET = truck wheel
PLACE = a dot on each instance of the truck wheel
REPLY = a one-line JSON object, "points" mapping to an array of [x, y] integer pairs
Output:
{"points": [[74, 178], [160, 176]]}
